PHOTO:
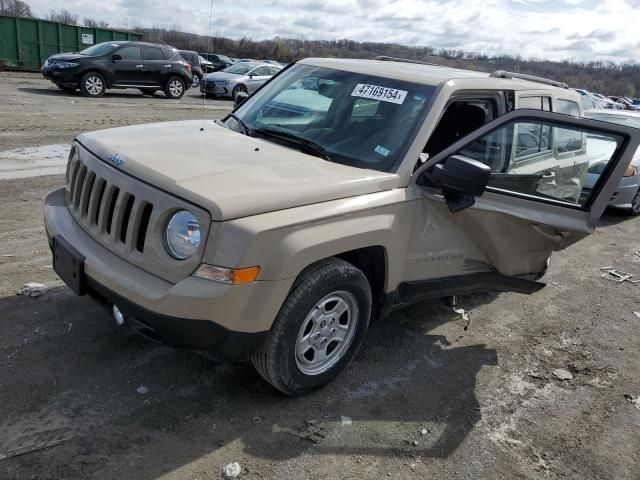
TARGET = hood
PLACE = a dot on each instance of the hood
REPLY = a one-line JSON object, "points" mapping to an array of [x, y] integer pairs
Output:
{"points": [[228, 173], [67, 57], [223, 76]]}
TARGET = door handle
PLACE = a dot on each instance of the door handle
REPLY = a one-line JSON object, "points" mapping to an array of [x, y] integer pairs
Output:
{"points": [[548, 175], [556, 237], [167, 66], [139, 66]]}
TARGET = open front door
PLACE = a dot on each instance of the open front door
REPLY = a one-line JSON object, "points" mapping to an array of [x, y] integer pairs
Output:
{"points": [[533, 168]]}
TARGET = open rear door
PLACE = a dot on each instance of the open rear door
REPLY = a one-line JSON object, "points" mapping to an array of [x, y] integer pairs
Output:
{"points": [[537, 199]]}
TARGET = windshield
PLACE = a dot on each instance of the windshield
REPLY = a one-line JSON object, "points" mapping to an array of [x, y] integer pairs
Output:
{"points": [[240, 68], [359, 120], [99, 49]]}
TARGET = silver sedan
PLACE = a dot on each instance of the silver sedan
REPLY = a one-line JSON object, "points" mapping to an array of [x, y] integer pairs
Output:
{"points": [[627, 194], [244, 77]]}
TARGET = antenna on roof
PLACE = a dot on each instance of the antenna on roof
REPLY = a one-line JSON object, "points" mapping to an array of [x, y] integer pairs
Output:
{"points": [[204, 89]]}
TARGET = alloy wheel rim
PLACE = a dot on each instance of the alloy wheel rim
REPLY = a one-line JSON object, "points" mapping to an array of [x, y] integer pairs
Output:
{"points": [[93, 85], [175, 88], [326, 333], [196, 80]]}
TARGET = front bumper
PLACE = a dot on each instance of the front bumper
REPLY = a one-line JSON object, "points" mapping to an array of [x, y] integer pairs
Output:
{"points": [[62, 76], [213, 88], [193, 313]]}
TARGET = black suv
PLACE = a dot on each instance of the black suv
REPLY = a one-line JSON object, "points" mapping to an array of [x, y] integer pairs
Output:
{"points": [[145, 66], [218, 62]]}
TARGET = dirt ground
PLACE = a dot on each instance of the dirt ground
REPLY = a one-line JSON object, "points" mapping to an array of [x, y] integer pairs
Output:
{"points": [[486, 397]]}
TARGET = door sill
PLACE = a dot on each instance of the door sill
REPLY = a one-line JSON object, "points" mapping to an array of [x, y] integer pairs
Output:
{"points": [[465, 284]]}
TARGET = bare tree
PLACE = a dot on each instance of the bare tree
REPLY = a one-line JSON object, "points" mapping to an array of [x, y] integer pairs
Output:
{"points": [[63, 16], [91, 23], [17, 8]]}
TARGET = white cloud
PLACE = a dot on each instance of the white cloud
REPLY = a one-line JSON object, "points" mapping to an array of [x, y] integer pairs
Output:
{"points": [[550, 29]]}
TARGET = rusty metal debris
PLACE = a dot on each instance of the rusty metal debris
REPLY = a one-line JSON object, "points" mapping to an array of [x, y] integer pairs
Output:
{"points": [[617, 276]]}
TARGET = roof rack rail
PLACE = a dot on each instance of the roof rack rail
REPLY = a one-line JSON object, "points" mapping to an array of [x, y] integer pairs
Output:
{"points": [[385, 58], [531, 78]]}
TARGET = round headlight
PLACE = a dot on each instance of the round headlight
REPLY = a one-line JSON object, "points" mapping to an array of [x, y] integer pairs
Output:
{"points": [[182, 235]]}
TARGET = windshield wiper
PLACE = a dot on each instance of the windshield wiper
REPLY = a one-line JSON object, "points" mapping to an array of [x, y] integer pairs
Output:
{"points": [[305, 145], [246, 130]]}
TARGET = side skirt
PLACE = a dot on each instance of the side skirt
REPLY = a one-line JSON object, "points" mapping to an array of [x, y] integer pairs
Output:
{"points": [[409, 292]]}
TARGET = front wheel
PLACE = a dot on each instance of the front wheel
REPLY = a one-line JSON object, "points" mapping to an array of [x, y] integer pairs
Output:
{"points": [[92, 85], [318, 330], [196, 81], [238, 89], [174, 88]]}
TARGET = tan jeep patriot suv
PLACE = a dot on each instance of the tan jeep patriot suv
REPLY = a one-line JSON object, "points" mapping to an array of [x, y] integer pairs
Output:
{"points": [[340, 190]]}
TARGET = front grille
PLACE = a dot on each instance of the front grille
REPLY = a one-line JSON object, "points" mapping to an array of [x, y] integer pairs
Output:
{"points": [[127, 216], [108, 211]]}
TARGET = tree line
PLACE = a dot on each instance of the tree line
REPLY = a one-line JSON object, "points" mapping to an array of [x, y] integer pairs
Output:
{"points": [[604, 77]]}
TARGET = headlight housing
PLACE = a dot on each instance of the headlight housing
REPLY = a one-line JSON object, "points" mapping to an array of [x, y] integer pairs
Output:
{"points": [[67, 64], [182, 235], [223, 82]]}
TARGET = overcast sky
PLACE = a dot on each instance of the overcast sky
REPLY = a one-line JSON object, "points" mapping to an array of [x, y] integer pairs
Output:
{"points": [[549, 29]]}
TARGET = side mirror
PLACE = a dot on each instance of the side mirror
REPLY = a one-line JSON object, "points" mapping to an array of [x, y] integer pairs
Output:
{"points": [[115, 58], [462, 179], [240, 98]]}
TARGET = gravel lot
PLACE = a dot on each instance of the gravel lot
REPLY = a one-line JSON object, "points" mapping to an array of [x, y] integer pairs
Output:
{"points": [[486, 398]]}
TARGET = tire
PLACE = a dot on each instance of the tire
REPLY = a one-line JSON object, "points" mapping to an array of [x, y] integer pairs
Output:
{"points": [[174, 88], [287, 359], [65, 88], [92, 85], [148, 91], [634, 211], [196, 81], [237, 89]]}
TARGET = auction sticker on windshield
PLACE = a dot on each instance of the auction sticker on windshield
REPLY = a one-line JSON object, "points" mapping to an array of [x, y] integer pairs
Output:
{"points": [[383, 94]]}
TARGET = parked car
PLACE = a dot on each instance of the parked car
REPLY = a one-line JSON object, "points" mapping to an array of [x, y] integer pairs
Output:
{"points": [[626, 103], [196, 70], [242, 77], [218, 62], [279, 233], [627, 194], [206, 65], [607, 103], [146, 66], [589, 101]]}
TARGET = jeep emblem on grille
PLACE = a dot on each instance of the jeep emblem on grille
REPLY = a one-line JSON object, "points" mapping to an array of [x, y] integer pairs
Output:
{"points": [[115, 159]]}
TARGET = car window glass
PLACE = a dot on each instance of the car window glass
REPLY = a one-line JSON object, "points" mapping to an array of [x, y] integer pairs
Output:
{"points": [[569, 174], [568, 140], [273, 70], [260, 71], [321, 105], [153, 53], [169, 53], [535, 103], [129, 53]]}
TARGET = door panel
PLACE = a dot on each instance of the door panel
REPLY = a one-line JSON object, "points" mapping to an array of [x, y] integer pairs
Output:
{"points": [[155, 66], [129, 69], [525, 213]]}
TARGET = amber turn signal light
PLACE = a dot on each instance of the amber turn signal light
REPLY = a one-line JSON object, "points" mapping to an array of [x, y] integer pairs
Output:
{"points": [[229, 276]]}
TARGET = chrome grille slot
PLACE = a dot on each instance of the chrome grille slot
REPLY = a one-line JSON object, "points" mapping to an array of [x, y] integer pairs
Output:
{"points": [[128, 217]]}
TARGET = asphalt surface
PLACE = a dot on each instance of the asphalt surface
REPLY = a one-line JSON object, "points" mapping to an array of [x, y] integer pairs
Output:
{"points": [[486, 397]]}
